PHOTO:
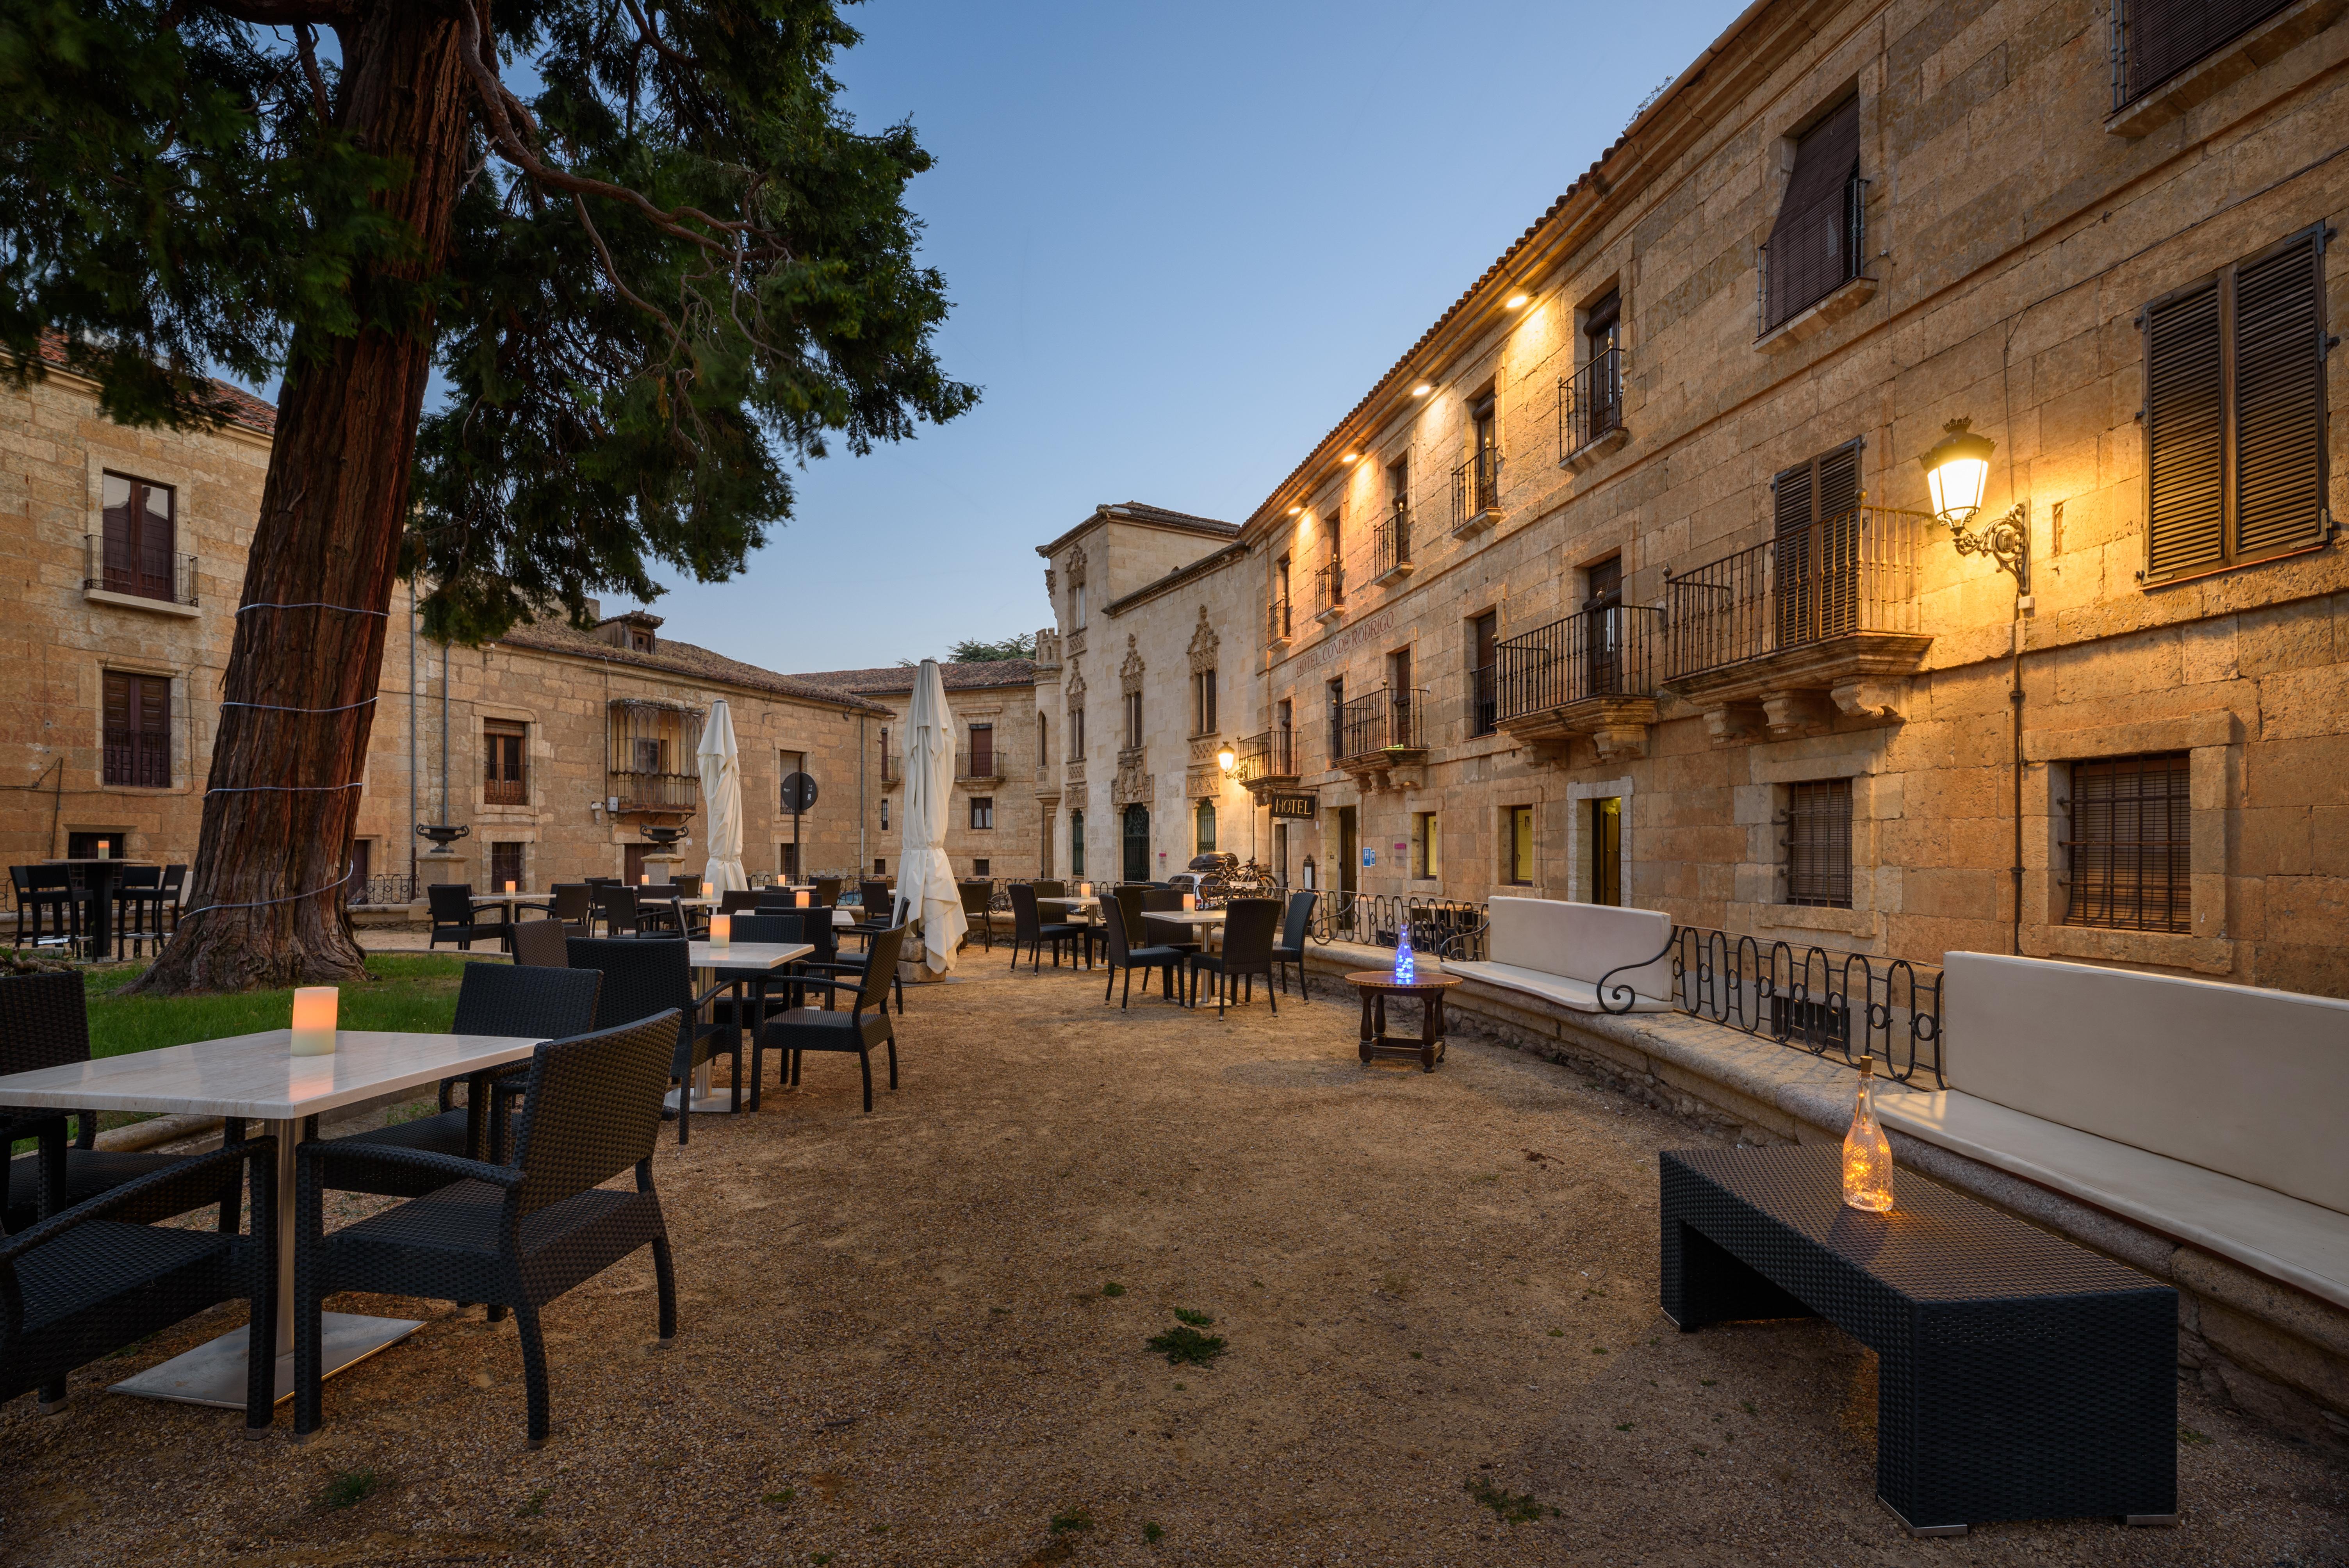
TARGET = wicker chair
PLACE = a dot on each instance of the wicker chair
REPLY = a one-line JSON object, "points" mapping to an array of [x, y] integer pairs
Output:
{"points": [[1249, 925], [827, 891], [139, 909], [542, 943], [1156, 899], [976, 898], [95, 1280], [513, 1235], [859, 1028], [1029, 930], [573, 906], [1290, 948], [1167, 961], [452, 907], [48, 894], [644, 975], [739, 901], [875, 911], [828, 958], [175, 888], [1047, 887], [45, 1023]]}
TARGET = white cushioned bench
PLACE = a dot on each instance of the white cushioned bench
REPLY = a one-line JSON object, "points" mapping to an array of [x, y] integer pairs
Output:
{"points": [[2212, 1114], [1559, 952]]}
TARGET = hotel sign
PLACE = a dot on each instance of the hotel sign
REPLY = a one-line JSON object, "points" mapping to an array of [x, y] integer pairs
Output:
{"points": [[1291, 805]]}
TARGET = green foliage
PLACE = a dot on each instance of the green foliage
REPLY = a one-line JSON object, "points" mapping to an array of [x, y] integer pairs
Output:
{"points": [[403, 992], [535, 1508], [1152, 1532], [1195, 1319], [978, 651], [1074, 1519], [1183, 1344], [349, 1487], [1112, 1288], [1514, 1507]]}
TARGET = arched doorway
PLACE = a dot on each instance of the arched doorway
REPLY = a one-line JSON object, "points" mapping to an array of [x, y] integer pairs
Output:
{"points": [[1137, 844]]}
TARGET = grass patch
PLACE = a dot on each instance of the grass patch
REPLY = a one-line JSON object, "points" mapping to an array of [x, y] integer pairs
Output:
{"points": [[402, 991], [1075, 1519], [1514, 1507], [1183, 1344], [1195, 1319], [778, 1501], [2192, 1439], [349, 1487], [536, 1507], [1112, 1288], [1152, 1532]]}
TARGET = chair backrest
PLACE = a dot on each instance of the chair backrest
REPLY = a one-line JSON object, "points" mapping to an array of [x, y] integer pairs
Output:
{"points": [[976, 897], [641, 975], [21, 879], [874, 897], [686, 887], [739, 897], [1114, 932], [535, 1003], [618, 903], [1025, 924], [1049, 889], [880, 968], [1300, 919], [174, 879], [141, 876], [451, 903], [1129, 903], [1248, 924], [49, 879], [574, 903], [539, 944], [1156, 899], [593, 1109], [44, 1021], [776, 925], [601, 882], [827, 890]]}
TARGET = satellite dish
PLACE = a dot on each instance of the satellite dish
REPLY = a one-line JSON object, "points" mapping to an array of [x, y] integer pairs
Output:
{"points": [[799, 793]]}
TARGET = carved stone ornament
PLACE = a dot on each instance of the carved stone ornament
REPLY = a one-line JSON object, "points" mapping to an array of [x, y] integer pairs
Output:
{"points": [[1076, 566], [1130, 672], [1050, 586], [1075, 686], [1204, 645]]}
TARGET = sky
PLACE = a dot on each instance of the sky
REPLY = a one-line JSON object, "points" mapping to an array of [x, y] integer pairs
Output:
{"points": [[1181, 241]]}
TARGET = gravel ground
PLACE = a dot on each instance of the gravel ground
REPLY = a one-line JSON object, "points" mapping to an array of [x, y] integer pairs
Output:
{"points": [[919, 1338]]}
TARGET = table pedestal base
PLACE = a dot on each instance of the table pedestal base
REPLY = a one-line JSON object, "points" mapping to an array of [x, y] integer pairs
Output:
{"points": [[1376, 987], [213, 1372]]}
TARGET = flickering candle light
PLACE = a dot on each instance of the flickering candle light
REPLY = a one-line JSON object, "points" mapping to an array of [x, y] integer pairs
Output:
{"points": [[509, 886], [722, 930], [105, 847], [1084, 890], [1867, 1152], [313, 1020], [646, 880], [799, 898], [1190, 903]]}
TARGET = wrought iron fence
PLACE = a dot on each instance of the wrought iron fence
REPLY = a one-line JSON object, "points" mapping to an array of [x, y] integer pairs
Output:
{"points": [[1453, 927], [651, 743], [1390, 543], [1608, 652], [1476, 487], [384, 889], [1590, 403], [141, 574], [1854, 573], [1270, 754], [1328, 587], [1391, 719], [1812, 254]]}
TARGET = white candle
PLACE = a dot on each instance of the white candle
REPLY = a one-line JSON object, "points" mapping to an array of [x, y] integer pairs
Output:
{"points": [[313, 1020], [800, 899], [509, 886], [1084, 890], [722, 930], [104, 845], [646, 880], [1190, 903]]}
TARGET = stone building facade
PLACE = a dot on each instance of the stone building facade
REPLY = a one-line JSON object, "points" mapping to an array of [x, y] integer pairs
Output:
{"points": [[1622, 584]]}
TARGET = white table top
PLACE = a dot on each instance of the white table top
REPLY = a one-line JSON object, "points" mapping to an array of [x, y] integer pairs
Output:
{"points": [[258, 1074], [529, 898], [1186, 916], [734, 955]]}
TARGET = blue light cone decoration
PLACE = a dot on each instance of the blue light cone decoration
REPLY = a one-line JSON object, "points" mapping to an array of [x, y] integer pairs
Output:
{"points": [[1405, 969]]}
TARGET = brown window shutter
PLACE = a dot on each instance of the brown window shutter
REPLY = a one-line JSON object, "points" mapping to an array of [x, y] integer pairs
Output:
{"points": [[2279, 421], [154, 707], [2184, 455], [1818, 843], [155, 541], [1809, 244], [119, 535], [117, 717], [2160, 38]]}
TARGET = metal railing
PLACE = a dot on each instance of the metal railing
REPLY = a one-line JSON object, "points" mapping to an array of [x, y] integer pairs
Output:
{"points": [[1391, 719], [1328, 587], [1590, 403], [384, 889], [1270, 754], [1484, 699], [1476, 487], [162, 575], [1856, 573], [655, 791], [1608, 652], [1452, 927], [1278, 626], [1847, 1003], [979, 765], [1822, 249], [893, 767], [1390, 542]]}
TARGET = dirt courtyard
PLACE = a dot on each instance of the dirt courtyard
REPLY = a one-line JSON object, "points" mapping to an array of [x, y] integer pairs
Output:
{"points": [[919, 1338]]}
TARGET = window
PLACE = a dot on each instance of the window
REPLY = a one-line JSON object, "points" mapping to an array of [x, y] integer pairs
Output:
{"points": [[1426, 846], [982, 751], [1043, 743], [109, 845], [1076, 843], [880, 866], [1394, 538], [2153, 40], [1337, 698], [136, 547], [2127, 849], [1818, 843], [1132, 720], [1605, 884], [1484, 645], [1081, 606], [1815, 247], [1280, 613], [138, 721], [1815, 578], [505, 866], [1206, 829], [1602, 626], [502, 750], [2234, 414], [1203, 702], [1599, 393], [885, 814], [787, 859], [982, 810], [1521, 846], [362, 864], [979, 868]]}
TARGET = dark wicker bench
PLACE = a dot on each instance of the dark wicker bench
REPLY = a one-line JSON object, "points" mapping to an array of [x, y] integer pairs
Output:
{"points": [[2019, 1377]]}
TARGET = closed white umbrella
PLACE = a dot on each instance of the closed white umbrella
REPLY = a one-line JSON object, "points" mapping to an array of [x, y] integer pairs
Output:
{"points": [[925, 884], [721, 793]]}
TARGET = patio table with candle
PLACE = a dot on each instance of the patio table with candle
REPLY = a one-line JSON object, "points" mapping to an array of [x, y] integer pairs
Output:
{"points": [[281, 1076], [742, 960]]}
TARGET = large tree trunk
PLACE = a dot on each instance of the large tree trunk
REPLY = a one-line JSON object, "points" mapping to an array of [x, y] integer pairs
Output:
{"points": [[268, 902]]}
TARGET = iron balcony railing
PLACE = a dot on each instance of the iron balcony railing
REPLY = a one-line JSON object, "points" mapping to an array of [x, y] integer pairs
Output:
{"points": [[1484, 704], [1812, 255], [1390, 543], [145, 575], [1608, 652], [1590, 403], [1476, 487], [655, 791], [1272, 754], [1328, 587], [649, 744], [1278, 627], [979, 764], [892, 765], [1391, 719], [1845, 575]]}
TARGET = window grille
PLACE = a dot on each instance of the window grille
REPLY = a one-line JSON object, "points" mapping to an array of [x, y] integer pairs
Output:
{"points": [[1818, 843], [2127, 852]]}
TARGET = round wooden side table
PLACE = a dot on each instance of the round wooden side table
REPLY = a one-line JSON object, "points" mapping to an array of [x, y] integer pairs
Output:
{"points": [[1376, 985]]}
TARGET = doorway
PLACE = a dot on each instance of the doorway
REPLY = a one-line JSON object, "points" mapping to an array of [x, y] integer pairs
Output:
{"points": [[1604, 882], [1137, 844], [1348, 873]]}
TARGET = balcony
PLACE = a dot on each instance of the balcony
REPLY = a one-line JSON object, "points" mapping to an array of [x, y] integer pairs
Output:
{"points": [[1810, 273], [1279, 628], [1590, 412], [143, 580], [648, 743], [893, 768], [978, 766], [1786, 634], [1591, 673], [1329, 592], [1381, 732], [665, 793], [1072, 775], [1267, 760], [1391, 545], [1476, 492]]}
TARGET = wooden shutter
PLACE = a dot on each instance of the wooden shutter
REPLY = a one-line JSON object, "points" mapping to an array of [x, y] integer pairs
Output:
{"points": [[154, 732], [2279, 424], [155, 540], [136, 721], [1818, 843], [117, 719], [1791, 494], [2184, 408], [119, 541], [1815, 574], [1809, 246], [2160, 38]]}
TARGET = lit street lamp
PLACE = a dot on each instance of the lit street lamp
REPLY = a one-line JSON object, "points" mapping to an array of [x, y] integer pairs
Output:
{"points": [[1957, 472]]}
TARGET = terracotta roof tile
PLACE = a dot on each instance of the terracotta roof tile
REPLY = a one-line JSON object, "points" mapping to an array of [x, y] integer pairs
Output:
{"points": [[244, 408], [900, 677], [676, 658]]}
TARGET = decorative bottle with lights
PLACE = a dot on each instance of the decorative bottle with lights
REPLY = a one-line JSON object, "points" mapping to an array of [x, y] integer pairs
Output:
{"points": [[1867, 1152], [1405, 967]]}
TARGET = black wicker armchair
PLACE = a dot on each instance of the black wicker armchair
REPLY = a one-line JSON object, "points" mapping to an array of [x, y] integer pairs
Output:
{"points": [[513, 1236], [1296, 930], [544, 943], [648, 974], [1248, 953], [859, 1028], [88, 1282], [1120, 954], [1028, 930], [453, 917]]}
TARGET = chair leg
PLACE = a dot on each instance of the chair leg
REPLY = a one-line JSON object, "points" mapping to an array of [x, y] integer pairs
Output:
{"points": [[684, 1106], [1111, 987], [865, 1063], [534, 1370], [665, 1280], [1273, 1000], [892, 1064]]}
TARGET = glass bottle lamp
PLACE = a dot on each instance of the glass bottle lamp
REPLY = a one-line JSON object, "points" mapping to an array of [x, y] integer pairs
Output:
{"points": [[1867, 1152]]}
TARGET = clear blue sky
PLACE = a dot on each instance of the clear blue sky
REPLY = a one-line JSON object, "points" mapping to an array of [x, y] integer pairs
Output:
{"points": [[1182, 239]]}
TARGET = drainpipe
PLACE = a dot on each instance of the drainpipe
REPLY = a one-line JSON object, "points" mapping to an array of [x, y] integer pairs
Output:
{"points": [[415, 763], [444, 732], [2015, 705], [860, 761]]}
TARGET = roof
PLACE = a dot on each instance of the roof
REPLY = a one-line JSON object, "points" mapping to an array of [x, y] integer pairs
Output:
{"points": [[676, 658], [244, 407], [1143, 512], [900, 677], [1175, 579]]}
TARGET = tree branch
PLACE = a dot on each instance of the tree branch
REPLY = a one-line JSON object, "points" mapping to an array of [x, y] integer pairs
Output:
{"points": [[306, 39], [286, 13]]}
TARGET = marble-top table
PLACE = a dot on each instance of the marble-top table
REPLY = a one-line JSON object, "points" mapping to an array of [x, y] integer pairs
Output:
{"points": [[743, 958], [258, 1077]]}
